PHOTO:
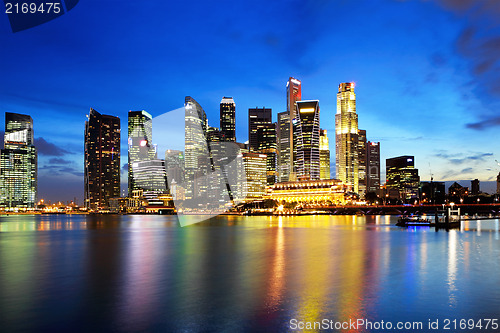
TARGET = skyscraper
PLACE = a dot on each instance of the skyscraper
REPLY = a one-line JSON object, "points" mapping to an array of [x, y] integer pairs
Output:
{"points": [[197, 159], [140, 143], [283, 143], [262, 139], [346, 136], [102, 160], [402, 176], [257, 118], [174, 163], [228, 118], [255, 173], [18, 163], [306, 140], [324, 156], [372, 166], [293, 94], [362, 162]]}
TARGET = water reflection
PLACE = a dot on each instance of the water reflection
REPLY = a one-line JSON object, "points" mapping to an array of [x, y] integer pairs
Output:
{"points": [[142, 273]]}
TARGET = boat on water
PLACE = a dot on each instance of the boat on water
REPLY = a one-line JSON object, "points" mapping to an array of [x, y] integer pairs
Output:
{"points": [[414, 221]]}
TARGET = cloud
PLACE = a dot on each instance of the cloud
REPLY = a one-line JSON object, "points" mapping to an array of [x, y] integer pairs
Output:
{"points": [[58, 170], [487, 123], [125, 167], [462, 158], [49, 149], [59, 161]]}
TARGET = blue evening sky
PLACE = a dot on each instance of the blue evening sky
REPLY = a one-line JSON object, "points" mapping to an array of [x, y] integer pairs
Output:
{"points": [[426, 73]]}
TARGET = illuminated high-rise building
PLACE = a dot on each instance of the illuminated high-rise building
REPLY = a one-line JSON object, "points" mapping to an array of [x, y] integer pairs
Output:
{"points": [[262, 139], [18, 163], [255, 172], [150, 176], [324, 156], [362, 162], [283, 145], [140, 143], [402, 176], [102, 160], [293, 95], [228, 118], [372, 166], [346, 136], [306, 140], [197, 157], [257, 118]]}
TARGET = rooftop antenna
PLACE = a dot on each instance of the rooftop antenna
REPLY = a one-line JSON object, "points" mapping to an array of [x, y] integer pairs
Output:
{"points": [[430, 171]]}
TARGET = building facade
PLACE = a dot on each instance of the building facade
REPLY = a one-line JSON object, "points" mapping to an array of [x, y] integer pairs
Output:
{"points": [[197, 160], [140, 143], [362, 163], [257, 118], [228, 118], [372, 167], [346, 136], [102, 160], [324, 156], [283, 145], [293, 95], [321, 192], [403, 177], [18, 164], [255, 173], [306, 140]]}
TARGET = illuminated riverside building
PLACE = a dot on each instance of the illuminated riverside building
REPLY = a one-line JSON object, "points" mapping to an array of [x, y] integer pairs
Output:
{"points": [[402, 176], [18, 164], [140, 143], [102, 160], [255, 173], [228, 118], [346, 136], [372, 166], [293, 95], [329, 191], [195, 148], [306, 140], [283, 145], [151, 178], [267, 145], [324, 156]]}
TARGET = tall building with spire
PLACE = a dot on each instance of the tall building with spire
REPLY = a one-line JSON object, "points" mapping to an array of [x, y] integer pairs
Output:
{"points": [[228, 119], [293, 95], [102, 160], [140, 144], [18, 163], [346, 136], [324, 156], [306, 140]]}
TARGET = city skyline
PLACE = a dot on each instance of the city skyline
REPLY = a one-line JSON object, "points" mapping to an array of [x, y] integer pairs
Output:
{"points": [[428, 96]]}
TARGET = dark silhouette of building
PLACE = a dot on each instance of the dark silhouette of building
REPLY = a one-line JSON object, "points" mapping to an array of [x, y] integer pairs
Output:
{"points": [[432, 192], [102, 160], [372, 167], [257, 118], [474, 186], [457, 192]]}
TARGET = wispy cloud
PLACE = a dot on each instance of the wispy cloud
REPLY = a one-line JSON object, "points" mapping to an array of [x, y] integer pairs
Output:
{"points": [[49, 149]]}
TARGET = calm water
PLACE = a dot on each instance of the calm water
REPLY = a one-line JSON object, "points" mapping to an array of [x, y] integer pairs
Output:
{"points": [[144, 273]]}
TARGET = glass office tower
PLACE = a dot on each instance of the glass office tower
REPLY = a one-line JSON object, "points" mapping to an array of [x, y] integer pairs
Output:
{"points": [[18, 164]]}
